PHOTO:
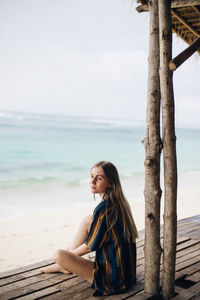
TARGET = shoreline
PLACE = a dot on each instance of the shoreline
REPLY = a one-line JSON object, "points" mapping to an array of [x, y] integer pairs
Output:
{"points": [[35, 236]]}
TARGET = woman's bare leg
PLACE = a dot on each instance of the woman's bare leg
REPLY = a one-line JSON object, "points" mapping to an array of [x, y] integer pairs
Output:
{"points": [[75, 264], [81, 233], [78, 240], [54, 269]]}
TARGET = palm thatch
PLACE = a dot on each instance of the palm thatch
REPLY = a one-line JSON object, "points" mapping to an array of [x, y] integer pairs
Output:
{"points": [[185, 18]]}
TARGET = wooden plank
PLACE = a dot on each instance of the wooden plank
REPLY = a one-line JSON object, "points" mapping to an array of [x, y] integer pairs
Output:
{"points": [[194, 277], [83, 294], [26, 282], [195, 236], [41, 294], [182, 239], [196, 297], [140, 254], [83, 291], [186, 263], [184, 259], [140, 244], [188, 226], [183, 227], [18, 277], [21, 276], [139, 286], [187, 294], [139, 296], [187, 244], [188, 270], [140, 257], [140, 263], [194, 233], [185, 251], [35, 287], [71, 291], [185, 221], [26, 268], [60, 291], [140, 270], [188, 256], [187, 248], [190, 219], [9, 280], [183, 267]]}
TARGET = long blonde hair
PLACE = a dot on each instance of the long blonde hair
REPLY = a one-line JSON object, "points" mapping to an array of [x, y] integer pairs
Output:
{"points": [[121, 206]]}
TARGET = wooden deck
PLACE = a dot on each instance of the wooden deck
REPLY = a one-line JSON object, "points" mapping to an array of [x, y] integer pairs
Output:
{"points": [[28, 283]]}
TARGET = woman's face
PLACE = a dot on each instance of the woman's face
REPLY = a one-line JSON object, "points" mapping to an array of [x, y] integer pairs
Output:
{"points": [[98, 181]]}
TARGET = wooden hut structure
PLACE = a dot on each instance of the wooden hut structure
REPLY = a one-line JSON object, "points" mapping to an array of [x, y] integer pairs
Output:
{"points": [[183, 18]]}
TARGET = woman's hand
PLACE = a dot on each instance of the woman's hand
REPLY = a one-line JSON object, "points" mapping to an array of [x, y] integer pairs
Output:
{"points": [[81, 250]]}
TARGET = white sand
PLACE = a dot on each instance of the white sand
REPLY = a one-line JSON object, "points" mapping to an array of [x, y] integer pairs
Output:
{"points": [[34, 237]]}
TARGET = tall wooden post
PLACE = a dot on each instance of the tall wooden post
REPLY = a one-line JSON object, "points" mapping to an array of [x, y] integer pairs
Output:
{"points": [[169, 150], [152, 143]]}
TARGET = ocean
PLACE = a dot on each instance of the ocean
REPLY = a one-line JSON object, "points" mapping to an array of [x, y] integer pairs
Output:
{"points": [[43, 154]]}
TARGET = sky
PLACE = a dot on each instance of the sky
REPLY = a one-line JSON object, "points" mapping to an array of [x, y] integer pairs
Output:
{"points": [[87, 58]]}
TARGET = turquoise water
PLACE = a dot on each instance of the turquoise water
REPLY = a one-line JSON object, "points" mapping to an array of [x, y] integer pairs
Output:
{"points": [[43, 150]]}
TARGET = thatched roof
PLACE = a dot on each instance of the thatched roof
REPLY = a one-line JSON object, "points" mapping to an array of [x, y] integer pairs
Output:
{"points": [[185, 18]]}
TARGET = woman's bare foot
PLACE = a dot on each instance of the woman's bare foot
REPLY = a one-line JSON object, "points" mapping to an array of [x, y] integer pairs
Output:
{"points": [[54, 269]]}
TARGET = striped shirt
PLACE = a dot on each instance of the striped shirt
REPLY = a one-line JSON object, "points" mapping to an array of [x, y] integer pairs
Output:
{"points": [[115, 261]]}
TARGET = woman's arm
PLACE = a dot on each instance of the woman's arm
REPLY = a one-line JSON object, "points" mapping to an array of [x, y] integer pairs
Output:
{"points": [[81, 250]]}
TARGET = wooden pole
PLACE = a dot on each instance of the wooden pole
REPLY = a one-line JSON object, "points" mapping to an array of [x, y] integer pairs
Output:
{"points": [[152, 143], [184, 55], [169, 151]]}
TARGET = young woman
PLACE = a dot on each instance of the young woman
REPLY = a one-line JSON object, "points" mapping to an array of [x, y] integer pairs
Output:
{"points": [[111, 232]]}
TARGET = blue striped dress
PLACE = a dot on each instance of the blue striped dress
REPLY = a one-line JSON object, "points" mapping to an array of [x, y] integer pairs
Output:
{"points": [[115, 261]]}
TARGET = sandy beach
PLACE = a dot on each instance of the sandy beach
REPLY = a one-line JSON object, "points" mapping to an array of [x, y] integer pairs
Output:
{"points": [[35, 236]]}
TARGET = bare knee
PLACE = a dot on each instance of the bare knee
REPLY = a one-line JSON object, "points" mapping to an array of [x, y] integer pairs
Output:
{"points": [[59, 255]]}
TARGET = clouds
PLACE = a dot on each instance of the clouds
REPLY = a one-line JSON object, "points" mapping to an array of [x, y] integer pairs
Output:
{"points": [[187, 110], [78, 57], [117, 65]]}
